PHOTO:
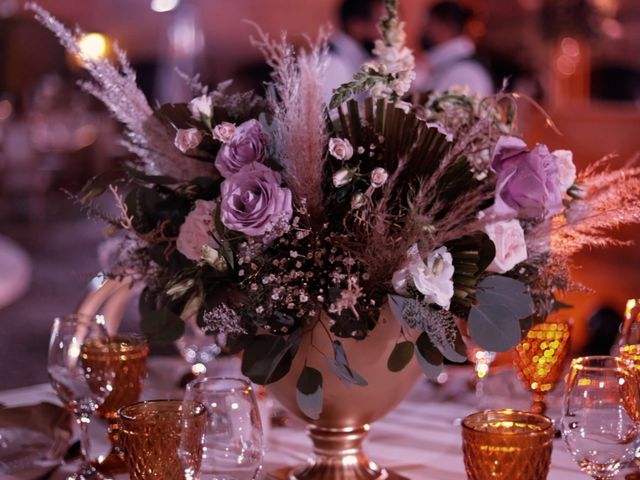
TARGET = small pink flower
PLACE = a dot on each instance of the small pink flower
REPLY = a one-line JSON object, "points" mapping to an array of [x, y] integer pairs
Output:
{"points": [[379, 177], [196, 231], [340, 148], [187, 138], [224, 131]]}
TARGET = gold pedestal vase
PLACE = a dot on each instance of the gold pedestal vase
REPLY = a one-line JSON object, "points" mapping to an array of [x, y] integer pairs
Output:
{"points": [[347, 410]]}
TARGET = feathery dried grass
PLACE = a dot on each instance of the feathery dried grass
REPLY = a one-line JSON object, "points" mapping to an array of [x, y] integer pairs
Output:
{"points": [[299, 112], [114, 84]]}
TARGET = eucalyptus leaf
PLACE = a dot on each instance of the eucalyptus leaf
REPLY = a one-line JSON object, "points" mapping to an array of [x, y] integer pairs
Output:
{"points": [[400, 356], [494, 327], [309, 392], [341, 368], [267, 358], [429, 357], [161, 326], [508, 292]]}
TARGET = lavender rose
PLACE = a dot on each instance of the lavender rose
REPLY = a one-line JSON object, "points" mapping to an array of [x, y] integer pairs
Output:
{"points": [[253, 202], [528, 182], [248, 144]]}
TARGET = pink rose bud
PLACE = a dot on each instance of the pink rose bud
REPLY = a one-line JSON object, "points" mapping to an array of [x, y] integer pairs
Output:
{"points": [[379, 177], [340, 148], [224, 131], [187, 138]]}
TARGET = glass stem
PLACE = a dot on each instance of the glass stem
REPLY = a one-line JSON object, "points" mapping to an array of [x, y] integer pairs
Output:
{"points": [[85, 444]]}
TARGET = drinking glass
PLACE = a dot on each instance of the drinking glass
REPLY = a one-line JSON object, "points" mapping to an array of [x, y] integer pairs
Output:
{"points": [[232, 442], [539, 359], [126, 355], [507, 445], [81, 388], [151, 433], [198, 349], [600, 415]]}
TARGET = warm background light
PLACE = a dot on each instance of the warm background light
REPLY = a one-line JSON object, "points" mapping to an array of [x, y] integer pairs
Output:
{"points": [[94, 46], [161, 6]]}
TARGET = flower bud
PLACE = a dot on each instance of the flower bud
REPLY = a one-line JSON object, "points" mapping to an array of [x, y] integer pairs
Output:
{"points": [[342, 177]]}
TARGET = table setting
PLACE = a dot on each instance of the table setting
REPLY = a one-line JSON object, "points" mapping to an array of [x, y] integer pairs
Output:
{"points": [[329, 269]]}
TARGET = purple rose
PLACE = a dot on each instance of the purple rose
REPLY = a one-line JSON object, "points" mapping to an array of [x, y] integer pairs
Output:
{"points": [[248, 144], [253, 202], [528, 182]]}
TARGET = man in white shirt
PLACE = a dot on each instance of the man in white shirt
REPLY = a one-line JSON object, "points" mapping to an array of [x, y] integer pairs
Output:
{"points": [[450, 53], [352, 46]]}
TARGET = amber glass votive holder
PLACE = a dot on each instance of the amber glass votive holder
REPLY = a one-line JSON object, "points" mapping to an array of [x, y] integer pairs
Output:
{"points": [[150, 434], [125, 355], [539, 359], [507, 444]]}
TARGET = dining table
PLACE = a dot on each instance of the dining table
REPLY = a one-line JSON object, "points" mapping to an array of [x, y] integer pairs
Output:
{"points": [[420, 439]]}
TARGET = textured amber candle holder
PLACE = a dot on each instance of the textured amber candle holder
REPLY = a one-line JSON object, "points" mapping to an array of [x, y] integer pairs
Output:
{"points": [[150, 434], [539, 359], [507, 445], [126, 355]]}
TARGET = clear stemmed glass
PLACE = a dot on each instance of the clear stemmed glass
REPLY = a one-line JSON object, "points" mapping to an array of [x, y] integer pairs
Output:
{"points": [[232, 446], [600, 415], [81, 388]]}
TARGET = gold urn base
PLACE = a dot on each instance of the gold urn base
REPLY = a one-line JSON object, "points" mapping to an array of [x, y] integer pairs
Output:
{"points": [[338, 455], [348, 410]]}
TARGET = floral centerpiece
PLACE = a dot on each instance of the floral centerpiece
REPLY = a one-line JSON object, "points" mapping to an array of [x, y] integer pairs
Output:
{"points": [[259, 217]]}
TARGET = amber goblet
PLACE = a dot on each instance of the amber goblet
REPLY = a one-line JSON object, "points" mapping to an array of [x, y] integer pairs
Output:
{"points": [[507, 444], [151, 434], [539, 359], [126, 356]]}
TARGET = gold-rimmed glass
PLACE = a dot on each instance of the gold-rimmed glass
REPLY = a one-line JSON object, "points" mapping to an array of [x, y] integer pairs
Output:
{"points": [[507, 444], [126, 355], [150, 435], [539, 359]]}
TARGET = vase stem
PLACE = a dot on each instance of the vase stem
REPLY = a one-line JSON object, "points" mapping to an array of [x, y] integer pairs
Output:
{"points": [[338, 455]]}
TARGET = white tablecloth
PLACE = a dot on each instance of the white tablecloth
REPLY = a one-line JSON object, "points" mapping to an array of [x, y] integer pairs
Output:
{"points": [[420, 439]]}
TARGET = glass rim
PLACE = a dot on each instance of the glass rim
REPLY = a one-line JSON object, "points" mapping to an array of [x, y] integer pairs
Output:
{"points": [[202, 381], [125, 415], [618, 363], [544, 422], [80, 318]]}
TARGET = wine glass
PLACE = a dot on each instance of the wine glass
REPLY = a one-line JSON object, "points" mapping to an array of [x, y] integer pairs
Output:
{"points": [[232, 446], [198, 349], [600, 415], [82, 388]]}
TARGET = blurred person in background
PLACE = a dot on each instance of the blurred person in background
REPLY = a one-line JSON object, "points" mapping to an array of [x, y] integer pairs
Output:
{"points": [[350, 47], [450, 54]]}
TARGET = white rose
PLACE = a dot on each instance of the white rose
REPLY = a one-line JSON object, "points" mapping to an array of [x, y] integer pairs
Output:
{"points": [[187, 138], [433, 279], [340, 148], [342, 177], [358, 201], [378, 177], [224, 131], [566, 168], [511, 247], [213, 257], [201, 106]]}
